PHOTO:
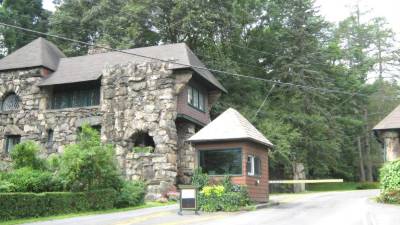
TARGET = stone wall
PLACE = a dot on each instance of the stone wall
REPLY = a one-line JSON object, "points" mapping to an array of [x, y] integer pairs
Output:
{"points": [[186, 156], [134, 98], [142, 99]]}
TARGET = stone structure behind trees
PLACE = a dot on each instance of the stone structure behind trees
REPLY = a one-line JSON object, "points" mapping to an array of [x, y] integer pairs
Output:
{"points": [[138, 106], [387, 132]]}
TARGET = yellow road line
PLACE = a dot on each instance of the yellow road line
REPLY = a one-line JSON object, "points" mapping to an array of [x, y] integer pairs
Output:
{"points": [[143, 218], [194, 220]]}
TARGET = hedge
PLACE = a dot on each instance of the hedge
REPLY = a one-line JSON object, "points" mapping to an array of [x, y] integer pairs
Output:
{"points": [[23, 205]]}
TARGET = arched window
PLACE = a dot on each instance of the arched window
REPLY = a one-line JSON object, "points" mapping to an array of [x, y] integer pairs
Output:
{"points": [[10, 102]]}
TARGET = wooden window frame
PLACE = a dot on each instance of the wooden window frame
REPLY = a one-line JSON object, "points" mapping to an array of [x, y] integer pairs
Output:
{"points": [[196, 99], [9, 138]]}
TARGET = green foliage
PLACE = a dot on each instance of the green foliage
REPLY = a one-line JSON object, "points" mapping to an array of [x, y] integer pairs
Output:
{"points": [[200, 179], [6, 186], [23, 205], [226, 197], [147, 149], [29, 180], [89, 164], [132, 193], [26, 155], [390, 176], [27, 13], [391, 197]]}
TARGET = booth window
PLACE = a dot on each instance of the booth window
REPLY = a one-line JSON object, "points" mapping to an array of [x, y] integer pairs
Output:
{"points": [[221, 162], [11, 141], [253, 165]]}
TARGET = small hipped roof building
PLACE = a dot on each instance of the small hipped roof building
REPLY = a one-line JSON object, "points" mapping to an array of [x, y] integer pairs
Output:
{"points": [[388, 132], [231, 145]]}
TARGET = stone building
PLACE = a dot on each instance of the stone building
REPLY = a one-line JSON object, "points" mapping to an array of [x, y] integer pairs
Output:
{"points": [[134, 103], [387, 132]]}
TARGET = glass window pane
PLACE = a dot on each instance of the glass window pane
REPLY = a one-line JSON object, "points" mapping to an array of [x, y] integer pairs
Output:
{"points": [[11, 141], [190, 95], [201, 101], [76, 96], [221, 162], [195, 98]]}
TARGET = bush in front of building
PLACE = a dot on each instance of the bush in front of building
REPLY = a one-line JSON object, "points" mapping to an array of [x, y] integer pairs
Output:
{"points": [[25, 154], [390, 182], [132, 193], [89, 164], [27, 179], [221, 197], [24, 205]]}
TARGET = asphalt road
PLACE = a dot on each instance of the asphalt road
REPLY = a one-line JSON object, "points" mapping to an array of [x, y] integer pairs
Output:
{"points": [[329, 208]]}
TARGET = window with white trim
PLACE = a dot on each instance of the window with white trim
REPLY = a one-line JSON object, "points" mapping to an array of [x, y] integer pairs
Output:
{"points": [[253, 165], [196, 98]]}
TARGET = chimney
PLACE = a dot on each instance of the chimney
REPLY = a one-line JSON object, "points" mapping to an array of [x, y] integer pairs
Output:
{"points": [[98, 49]]}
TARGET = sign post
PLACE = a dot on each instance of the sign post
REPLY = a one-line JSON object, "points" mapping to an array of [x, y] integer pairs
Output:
{"points": [[188, 198]]}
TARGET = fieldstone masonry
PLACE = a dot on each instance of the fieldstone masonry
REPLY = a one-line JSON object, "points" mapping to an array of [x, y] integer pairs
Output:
{"points": [[134, 98]]}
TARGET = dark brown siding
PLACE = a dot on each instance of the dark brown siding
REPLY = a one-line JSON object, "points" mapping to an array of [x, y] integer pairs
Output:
{"points": [[183, 108], [258, 192]]}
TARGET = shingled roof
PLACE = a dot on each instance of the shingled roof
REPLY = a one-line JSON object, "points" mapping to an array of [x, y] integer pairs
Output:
{"points": [[391, 121], [230, 125], [38, 53], [89, 67]]}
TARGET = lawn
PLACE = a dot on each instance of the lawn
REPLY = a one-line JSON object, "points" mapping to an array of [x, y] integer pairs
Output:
{"points": [[345, 186], [65, 216]]}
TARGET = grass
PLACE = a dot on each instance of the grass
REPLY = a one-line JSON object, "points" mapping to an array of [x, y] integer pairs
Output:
{"points": [[65, 216], [345, 186]]}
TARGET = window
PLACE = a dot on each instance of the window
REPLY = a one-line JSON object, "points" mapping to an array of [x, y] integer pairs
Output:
{"points": [[143, 140], [77, 95], [50, 134], [221, 162], [11, 141], [10, 102], [253, 165], [196, 98]]}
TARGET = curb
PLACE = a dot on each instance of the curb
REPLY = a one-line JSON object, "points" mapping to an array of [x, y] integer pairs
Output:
{"points": [[266, 205]]}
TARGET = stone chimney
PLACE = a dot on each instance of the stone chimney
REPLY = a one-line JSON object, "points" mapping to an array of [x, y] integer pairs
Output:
{"points": [[98, 49]]}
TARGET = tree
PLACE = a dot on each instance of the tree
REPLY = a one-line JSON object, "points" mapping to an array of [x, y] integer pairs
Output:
{"points": [[89, 164], [25, 13]]}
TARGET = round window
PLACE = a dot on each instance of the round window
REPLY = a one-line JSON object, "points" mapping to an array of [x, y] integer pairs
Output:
{"points": [[10, 102]]}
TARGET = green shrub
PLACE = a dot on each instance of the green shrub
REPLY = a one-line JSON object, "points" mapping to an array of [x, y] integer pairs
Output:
{"points": [[29, 180], [25, 155], [89, 164], [6, 186], [217, 197], [391, 197], [23, 205], [390, 176], [132, 194], [200, 179]]}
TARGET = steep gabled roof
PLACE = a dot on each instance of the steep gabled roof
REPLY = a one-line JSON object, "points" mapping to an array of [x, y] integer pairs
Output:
{"points": [[230, 125], [89, 67], [39, 52], [391, 121]]}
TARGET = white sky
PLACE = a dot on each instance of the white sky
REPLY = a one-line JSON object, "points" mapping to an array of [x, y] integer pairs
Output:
{"points": [[336, 10]]}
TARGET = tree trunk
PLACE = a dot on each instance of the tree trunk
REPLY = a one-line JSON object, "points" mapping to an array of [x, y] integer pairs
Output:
{"points": [[368, 148], [361, 160]]}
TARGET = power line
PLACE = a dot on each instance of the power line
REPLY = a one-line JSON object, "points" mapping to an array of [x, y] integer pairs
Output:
{"points": [[304, 87], [263, 102]]}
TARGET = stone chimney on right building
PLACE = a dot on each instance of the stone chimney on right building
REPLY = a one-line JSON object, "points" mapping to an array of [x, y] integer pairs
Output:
{"points": [[387, 132]]}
